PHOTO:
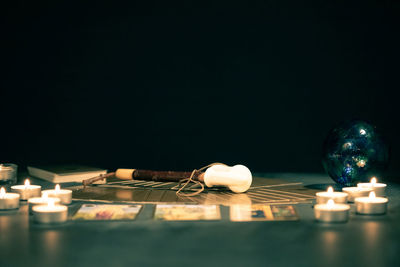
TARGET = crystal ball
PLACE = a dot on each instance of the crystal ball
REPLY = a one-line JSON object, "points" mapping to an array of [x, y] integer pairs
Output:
{"points": [[354, 152]]}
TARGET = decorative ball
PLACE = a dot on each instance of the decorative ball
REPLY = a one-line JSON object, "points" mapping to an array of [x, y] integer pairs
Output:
{"points": [[354, 152]]}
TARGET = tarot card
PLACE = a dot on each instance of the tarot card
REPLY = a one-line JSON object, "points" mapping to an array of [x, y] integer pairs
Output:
{"points": [[172, 212], [259, 212], [107, 212], [284, 212]]}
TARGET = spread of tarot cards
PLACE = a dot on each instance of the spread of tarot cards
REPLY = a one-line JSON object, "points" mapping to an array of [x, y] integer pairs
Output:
{"points": [[187, 212], [262, 191]]}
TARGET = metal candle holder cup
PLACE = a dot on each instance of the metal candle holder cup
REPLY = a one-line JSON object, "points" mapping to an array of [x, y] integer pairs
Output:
{"points": [[8, 174]]}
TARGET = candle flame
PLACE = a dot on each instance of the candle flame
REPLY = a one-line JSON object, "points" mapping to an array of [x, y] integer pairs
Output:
{"points": [[45, 196], [27, 183], [373, 180], [50, 203], [330, 190], [2, 192], [330, 203], [372, 195], [57, 189]]}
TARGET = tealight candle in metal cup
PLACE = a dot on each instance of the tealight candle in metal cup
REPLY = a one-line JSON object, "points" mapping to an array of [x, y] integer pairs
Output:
{"points": [[8, 201], [331, 212], [8, 174], [371, 205], [50, 213], [338, 197], [378, 188], [355, 192], [43, 200], [27, 190], [65, 195]]}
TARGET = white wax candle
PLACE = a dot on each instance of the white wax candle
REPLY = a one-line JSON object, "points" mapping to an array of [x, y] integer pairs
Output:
{"points": [[50, 213], [355, 192], [64, 195], [378, 188], [371, 204], [8, 201], [44, 200], [338, 197], [27, 190], [331, 212], [8, 173]]}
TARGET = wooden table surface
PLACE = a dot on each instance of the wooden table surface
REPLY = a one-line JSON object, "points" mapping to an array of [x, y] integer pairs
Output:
{"points": [[363, 241]]}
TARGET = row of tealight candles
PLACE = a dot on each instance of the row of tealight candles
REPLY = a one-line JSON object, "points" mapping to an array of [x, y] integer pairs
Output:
{"points": [[47, 206], [369, 198]]}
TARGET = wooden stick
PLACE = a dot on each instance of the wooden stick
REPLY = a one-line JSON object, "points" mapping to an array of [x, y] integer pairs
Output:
{"points": [[148, 175]]}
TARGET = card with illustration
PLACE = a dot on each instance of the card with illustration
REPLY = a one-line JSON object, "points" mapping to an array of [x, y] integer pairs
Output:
{"points": [[284, 212], [107, 212], [259, 212], [172, 212]]}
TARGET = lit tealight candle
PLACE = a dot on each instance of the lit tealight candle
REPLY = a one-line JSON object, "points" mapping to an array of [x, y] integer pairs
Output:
{"points": [[338, 197], [8, 201], [378, 188], [355, 192], [64, 195], [50, 213], [331, 212], [27, 190], [44, 200], [371, 204]]}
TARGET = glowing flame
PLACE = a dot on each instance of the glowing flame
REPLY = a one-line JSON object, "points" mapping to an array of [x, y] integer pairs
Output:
{"points": [[330, 203], [373, 180], [57, 189], [50, 204], [2, 193], [27, 183], [45, 196], [330, 190], [372, 195]]}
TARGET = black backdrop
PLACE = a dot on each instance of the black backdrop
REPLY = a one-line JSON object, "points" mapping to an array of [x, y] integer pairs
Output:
{"points": [[163, 86]]}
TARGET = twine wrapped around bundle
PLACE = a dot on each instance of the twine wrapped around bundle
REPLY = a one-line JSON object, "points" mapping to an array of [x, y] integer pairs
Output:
{"points": [[187, 181]]}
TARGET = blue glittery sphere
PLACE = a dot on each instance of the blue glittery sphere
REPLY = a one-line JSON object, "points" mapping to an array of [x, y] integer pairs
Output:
{"points": [[354, 152]]}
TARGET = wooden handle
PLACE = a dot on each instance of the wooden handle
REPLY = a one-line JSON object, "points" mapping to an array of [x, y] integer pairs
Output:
{"points": [[170, 176], [148, 175]]}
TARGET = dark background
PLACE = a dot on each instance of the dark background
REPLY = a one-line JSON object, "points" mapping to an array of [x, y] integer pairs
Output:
{"points": [[164, 86]]}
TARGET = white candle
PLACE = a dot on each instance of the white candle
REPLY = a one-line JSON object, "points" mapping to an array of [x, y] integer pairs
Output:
{"points": [[371, 204], [27, 190], [50, 213], [44, 200], [8, 173], [355, 192], [64, 195], [8, 201], [379, 188], [331, 212], [338, 197]]}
